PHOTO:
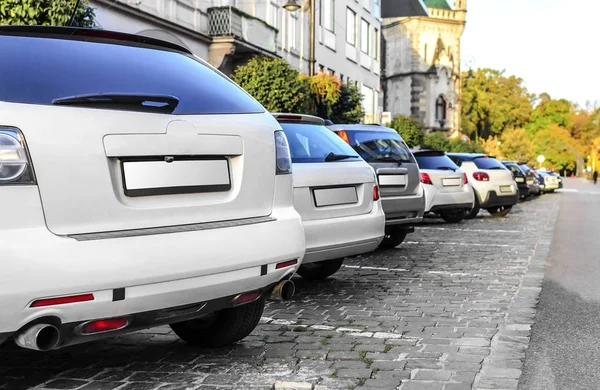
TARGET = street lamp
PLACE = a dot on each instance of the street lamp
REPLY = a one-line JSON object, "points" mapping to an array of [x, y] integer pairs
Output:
{"points": [[293, 6], [469, 63]]}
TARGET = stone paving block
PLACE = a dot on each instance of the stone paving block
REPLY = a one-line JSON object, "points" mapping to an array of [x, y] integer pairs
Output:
{"points": [[284, 385], [437, 375], [458, 386], [422, 385], [64, 384], [496, 383], [360, 373], [343, 355], [507, 373], [386, 384]]}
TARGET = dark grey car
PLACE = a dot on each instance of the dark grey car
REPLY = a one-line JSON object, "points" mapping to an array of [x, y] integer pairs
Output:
{"points": [[397, 171]]}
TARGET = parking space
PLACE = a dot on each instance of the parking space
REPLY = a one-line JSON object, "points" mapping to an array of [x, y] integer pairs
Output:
{"points": [[448, 309]]}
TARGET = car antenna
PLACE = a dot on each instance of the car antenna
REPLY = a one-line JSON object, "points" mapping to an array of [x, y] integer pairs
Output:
{"points": [[74, 12]]}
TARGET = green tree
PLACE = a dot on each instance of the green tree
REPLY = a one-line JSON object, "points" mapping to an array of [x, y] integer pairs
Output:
{"points": [[348, 109], [457, 145], [46, 13], [557, 146], [491, 146], [325, 93], [516, 145], [436, 141], [493, 102], [409, 129], [275, 84], [550, 111]]}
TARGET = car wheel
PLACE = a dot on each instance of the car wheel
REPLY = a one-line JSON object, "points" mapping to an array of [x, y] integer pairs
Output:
{"points": [[501, 211], [221, 328], [393, 238], [320, 270], [474, 211], [453, 216]]}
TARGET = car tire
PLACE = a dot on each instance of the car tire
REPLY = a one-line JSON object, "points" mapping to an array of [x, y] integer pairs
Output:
{"points": [[501, 211], [475, 210], [222, 328], [393, 238], [320, 270], [453, 216]]}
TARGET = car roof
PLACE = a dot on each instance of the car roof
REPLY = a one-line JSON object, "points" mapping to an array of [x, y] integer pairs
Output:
{"points": [[88, 34], [298, 118], [468, 156], [363, 127]]}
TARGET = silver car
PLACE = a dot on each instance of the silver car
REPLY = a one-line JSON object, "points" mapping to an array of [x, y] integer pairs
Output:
{"points": [[397, 171], [335, 193]]}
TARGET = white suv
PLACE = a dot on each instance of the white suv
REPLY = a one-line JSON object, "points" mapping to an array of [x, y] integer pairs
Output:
{"points": [[446, 186], [336, 194], [494, 185], [140, 187]]}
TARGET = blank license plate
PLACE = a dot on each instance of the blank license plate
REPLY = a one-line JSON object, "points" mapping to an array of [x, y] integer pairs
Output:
{"points": [[335, 196], [145, 178], [451, 182], [506, 189], [392, 180], [520, 180]]}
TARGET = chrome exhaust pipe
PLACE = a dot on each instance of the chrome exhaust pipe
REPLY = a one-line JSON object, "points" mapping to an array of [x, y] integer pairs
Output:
{"points": [[39, 337], [283, 291]]}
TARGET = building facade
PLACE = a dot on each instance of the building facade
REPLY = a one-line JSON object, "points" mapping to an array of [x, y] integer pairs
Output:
{"points": [[421, 71]]}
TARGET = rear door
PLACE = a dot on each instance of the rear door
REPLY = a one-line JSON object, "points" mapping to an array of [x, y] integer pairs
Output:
{"points": [[445, 175], [330, 178], [108, 167], [500, 177]]}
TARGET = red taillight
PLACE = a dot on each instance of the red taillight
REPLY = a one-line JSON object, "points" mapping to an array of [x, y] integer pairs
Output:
{"points": [[465, 180], [425, 179], [284, 264], [343, 135], [481, 176], [63, 300], [375, 193], [104, 325], [246, 297]]}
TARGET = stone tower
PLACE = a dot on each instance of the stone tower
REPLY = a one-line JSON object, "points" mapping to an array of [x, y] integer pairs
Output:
{"points": [[421, 72]]}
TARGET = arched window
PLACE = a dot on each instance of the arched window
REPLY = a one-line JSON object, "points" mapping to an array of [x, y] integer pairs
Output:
{"points": [[440, 108]]}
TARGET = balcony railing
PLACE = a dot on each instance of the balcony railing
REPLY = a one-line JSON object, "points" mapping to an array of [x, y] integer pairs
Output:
{"points": [[230, 21]]}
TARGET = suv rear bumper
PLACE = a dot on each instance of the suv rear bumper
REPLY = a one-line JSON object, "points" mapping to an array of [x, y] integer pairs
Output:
{"points": [[404, 210], [436, 200], [136, 274], [336, 238], [494, 200]]}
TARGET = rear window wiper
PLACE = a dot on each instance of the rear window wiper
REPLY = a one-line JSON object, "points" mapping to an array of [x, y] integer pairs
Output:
{"points": [[161, 103], [336, 157]]}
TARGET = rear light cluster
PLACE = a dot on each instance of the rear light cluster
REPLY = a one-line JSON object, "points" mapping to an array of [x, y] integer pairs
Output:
{"points": [[465, 179], [426, 179], [15, 167], [63, 300], [344, 136], [106, 325], [376, 195], [481, 176], [283, 157]]}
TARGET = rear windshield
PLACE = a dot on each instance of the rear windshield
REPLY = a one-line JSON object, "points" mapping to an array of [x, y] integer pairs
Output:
{"points": [[311, 143], [43, 69], [379, 146], [435, 161], [488, 163], [514, 169]]}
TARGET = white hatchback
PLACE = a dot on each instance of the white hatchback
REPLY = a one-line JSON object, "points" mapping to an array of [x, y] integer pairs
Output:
{"points": [[447, 189], [139, 187], [494, 185], [336, 194]]}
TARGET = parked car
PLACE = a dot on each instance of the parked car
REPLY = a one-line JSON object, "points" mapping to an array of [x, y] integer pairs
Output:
{"points": [[146, 189], [551, 182], [336, 194], [397, 172], [447, 190], [532, 180], [558, 178], [520, 178], [495, 188]]}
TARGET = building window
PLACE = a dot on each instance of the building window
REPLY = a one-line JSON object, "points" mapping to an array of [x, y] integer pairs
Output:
{"points": [[272, 12], [329, 14], [364, 36], [440, 109], [350, 27], [376, 44], [293, 31], [377, 9], [368, 99], [425, 53], [330, 72]]}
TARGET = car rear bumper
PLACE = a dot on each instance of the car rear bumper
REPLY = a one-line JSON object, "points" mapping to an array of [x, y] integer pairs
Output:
{"points": [[492, 199], [404, 210], [336, 238], [437, 200], [138, 274]]}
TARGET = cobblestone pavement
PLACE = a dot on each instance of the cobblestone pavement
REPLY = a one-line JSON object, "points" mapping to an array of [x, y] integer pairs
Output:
{"points": [[449, 309]]}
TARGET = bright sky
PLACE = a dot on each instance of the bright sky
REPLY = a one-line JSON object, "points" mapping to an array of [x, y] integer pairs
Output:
{"points": [[551, 44]]}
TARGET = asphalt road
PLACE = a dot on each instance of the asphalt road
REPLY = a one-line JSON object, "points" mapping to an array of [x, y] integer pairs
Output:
{"points": [[564, 351]]}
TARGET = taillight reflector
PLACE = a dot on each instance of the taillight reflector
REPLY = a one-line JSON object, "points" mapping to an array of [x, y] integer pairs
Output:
{"points": [[246, 297], [481, 176], [284, 264], [63, 300], [465, 180], [425, 178], [104, 325], [343, 135], [375, 193]]}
